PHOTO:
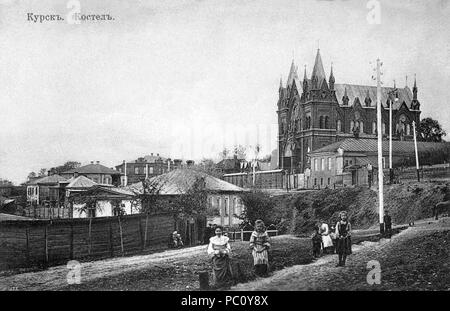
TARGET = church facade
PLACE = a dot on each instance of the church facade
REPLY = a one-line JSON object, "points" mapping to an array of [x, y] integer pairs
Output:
{"points": [[316, 111]]}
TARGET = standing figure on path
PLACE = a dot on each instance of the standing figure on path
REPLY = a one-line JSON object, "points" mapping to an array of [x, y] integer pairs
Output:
{"points": [[219, 249], [343, 237], [259, 244], [327, 243], [316, 242], [387, 224], [175, 240]]}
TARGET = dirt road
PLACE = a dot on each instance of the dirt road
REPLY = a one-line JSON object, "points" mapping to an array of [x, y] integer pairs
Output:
{"points": [[415, 259]]}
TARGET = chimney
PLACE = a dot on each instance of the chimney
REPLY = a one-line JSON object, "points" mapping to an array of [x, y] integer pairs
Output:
{"points": [[92, 162], [189, 163], [151, 154], [157, 154], [98, 162]]}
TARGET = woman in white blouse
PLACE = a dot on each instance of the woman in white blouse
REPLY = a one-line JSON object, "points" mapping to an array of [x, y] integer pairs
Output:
{"points": [[219, 249]]}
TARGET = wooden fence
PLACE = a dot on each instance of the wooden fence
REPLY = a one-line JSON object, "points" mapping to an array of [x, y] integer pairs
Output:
{"points": [[46, 212], [46, 242]]}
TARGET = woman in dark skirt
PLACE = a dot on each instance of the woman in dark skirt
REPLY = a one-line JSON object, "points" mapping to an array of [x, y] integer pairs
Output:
{"points": [[219, 249], [343, 239]]}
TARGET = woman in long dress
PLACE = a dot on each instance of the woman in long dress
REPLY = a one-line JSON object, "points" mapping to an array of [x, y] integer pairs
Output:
{"points": [[326, 238], [259, 244], [219, 250], [343, 238]]}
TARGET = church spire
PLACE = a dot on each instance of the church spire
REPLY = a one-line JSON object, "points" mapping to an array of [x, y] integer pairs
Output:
{"points": [[415, 88], [305, 81], [318, 74], [331, 80]]}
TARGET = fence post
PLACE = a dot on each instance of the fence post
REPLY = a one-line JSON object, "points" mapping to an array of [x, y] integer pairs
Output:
{"points": [[121, 236], [111, 245], [140, 233], [46, 245], [242, 234]]}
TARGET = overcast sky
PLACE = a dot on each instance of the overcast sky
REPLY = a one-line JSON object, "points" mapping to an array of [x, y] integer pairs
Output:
{"points": [[185, 78]]}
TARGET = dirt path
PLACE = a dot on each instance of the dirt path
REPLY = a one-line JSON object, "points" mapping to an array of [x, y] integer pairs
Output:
{"points": [[403, 266], [56, 277]]}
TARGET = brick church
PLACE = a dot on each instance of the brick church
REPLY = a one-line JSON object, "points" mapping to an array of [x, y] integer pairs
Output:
{"points": [[316, 111]]}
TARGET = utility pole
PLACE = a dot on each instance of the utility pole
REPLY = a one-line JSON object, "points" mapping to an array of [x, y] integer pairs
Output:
{"points": [[380, 149], [393, 94], [415, 147]]}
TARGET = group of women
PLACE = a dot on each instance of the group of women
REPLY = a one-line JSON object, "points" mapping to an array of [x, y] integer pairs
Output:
{"points": [[219, 248]]}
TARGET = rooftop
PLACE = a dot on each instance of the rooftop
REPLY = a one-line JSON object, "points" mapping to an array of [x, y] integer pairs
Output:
{"points": [[93, 169]]}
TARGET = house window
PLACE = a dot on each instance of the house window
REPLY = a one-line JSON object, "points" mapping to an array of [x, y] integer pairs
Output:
{"points": [[384, 128], [150, 170], [321, 181], [326, 122], [316, 166], [321, 122], [346, 163], [235, 207], [323, 164], [339, 126], [374, 127], [329, 181], [136, 170], [315, 181], [218, 206], [329, 164], [352, 125], [361, 127], [107, 180], [408, 129]]}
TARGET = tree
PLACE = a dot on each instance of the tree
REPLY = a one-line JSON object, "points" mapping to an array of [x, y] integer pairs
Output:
{"points": [[67, 166], [430, 130], [209, 167], [42, 172], [240, 151], [258, 205], [31, 176], [224, 153]]}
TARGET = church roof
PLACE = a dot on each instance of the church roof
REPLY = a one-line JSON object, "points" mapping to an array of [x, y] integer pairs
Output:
{"points": [[361, 91], [366, 146]]}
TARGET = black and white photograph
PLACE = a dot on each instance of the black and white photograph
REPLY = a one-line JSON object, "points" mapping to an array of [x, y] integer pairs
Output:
{"points": [[224, 147]]}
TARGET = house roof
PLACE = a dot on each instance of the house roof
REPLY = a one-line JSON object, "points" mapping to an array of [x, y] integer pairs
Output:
{"points": [[230, 163], [52, 179], [80, 182], [6, 217], [371, 146], [181, 180], [362, 91], [93, 169]]}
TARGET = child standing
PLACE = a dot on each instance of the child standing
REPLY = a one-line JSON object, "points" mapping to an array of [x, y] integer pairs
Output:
{"points": [[316, 242], [259, 244]]}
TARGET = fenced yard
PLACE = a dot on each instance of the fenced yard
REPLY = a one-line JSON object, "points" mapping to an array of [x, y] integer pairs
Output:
{"points": [[30, 243]]}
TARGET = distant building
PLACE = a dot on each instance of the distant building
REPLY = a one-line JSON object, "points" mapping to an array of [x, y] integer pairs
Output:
{"points": [[352, 161], [231, 165], [42, 191], [97, 172], [146, 167], [223, 198], [316, 111]]}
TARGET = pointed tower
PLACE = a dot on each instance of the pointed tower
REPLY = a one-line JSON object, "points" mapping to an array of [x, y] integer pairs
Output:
{"points": [[318, 74], [305, 82], [415, 89], [331, 80]]}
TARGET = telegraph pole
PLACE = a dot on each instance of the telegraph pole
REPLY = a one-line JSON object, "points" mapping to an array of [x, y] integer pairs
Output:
{"points": [[393, 94], [415, 147], [380, 149]]}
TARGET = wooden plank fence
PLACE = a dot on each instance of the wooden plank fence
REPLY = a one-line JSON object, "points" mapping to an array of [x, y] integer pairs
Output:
{"points": [[27, 243]]}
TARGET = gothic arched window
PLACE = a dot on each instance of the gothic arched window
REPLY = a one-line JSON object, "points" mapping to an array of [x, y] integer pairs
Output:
{"points": [[321, 122], [361, 126], [352, 125], [374, 127], [326, 122], [339, 126]]}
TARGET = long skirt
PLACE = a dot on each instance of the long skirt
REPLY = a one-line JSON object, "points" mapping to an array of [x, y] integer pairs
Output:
{"points": [[344, 246], [221, 269], [261, 257]]}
